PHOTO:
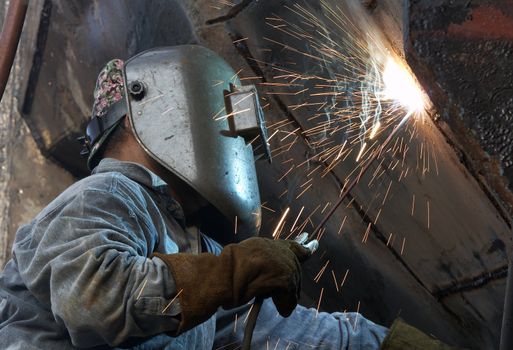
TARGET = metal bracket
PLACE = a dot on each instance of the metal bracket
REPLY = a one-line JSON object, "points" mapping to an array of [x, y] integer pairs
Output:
{"points": [[246, 118]]}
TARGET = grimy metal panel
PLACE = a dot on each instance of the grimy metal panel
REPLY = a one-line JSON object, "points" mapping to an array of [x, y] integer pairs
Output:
{"points": [[462, 52], [445, 231]]}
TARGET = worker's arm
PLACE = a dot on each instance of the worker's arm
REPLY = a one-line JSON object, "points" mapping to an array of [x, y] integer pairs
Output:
{"points": [[91, 266], [304, 329], [255, 267]]}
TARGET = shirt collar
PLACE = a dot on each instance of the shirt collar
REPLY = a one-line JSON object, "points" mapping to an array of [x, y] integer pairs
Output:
{"points": [[133, 171], [143, 176]]}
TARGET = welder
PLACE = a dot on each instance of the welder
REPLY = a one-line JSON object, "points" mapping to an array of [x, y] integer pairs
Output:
{"points": [[120, 259]]}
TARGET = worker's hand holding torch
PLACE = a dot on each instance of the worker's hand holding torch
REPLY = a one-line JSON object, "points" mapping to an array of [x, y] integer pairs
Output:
{"points": [[255, 268]]}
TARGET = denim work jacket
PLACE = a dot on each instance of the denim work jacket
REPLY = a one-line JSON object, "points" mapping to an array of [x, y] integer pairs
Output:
{"points": [[82, 276]]}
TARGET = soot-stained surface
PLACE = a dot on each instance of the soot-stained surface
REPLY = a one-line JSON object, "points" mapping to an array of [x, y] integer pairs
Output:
{"points": [[463, 51]]}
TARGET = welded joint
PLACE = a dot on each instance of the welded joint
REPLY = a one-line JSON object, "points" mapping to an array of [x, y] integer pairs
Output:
{"points": [[472, 283]]}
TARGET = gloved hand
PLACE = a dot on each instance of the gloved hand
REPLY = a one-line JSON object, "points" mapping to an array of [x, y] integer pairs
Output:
{"points": [[403, 336], [255, 267]]}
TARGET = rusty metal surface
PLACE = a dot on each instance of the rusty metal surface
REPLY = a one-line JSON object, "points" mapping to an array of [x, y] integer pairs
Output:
{"points": [[462, 52]]}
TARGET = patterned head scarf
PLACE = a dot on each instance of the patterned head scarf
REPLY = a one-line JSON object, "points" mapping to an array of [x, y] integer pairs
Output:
{"points": [[109, 90], [109, 87]]}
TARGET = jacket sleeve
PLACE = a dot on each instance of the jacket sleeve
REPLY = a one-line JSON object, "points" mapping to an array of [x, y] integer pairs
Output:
{"points": [[91, 266], [304, 329]]}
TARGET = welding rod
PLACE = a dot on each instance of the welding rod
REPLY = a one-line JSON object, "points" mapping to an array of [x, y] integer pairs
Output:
{"points": [[9, 38], [364, 169], [251, 322]]}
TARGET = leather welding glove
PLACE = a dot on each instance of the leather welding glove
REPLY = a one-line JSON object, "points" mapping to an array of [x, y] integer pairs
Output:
{"points": [[403, 336], [255, 267]]}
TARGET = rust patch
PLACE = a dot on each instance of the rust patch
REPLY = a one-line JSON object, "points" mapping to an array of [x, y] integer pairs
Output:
{"points": [[485, 22]]}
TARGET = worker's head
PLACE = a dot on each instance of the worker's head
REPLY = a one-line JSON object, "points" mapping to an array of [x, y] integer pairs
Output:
{"points": [[169, 109], [111, 135], [109, 110]]}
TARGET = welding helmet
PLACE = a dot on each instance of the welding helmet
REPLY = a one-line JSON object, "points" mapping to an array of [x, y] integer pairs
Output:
{"points": [[190, 112]]}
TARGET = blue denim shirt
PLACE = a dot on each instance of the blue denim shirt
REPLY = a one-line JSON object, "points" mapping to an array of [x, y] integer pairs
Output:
{"points": [[82, 275]]}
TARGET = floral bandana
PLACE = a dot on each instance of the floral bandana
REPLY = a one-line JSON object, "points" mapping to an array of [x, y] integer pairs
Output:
{"points": [[109, 87]]}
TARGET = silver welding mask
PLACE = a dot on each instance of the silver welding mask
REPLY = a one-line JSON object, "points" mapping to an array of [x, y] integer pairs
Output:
{"points": [[190, 113]]}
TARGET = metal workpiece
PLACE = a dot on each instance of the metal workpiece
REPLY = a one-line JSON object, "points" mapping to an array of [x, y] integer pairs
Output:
{"points": [[182, 122], [455, 246], [462, 52]]}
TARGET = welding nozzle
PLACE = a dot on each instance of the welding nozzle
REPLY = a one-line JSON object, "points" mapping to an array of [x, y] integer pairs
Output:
{"points": [[302, 239]]}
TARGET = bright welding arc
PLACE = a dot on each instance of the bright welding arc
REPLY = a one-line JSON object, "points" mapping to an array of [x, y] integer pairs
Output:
{"points": [[402, 88]]}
